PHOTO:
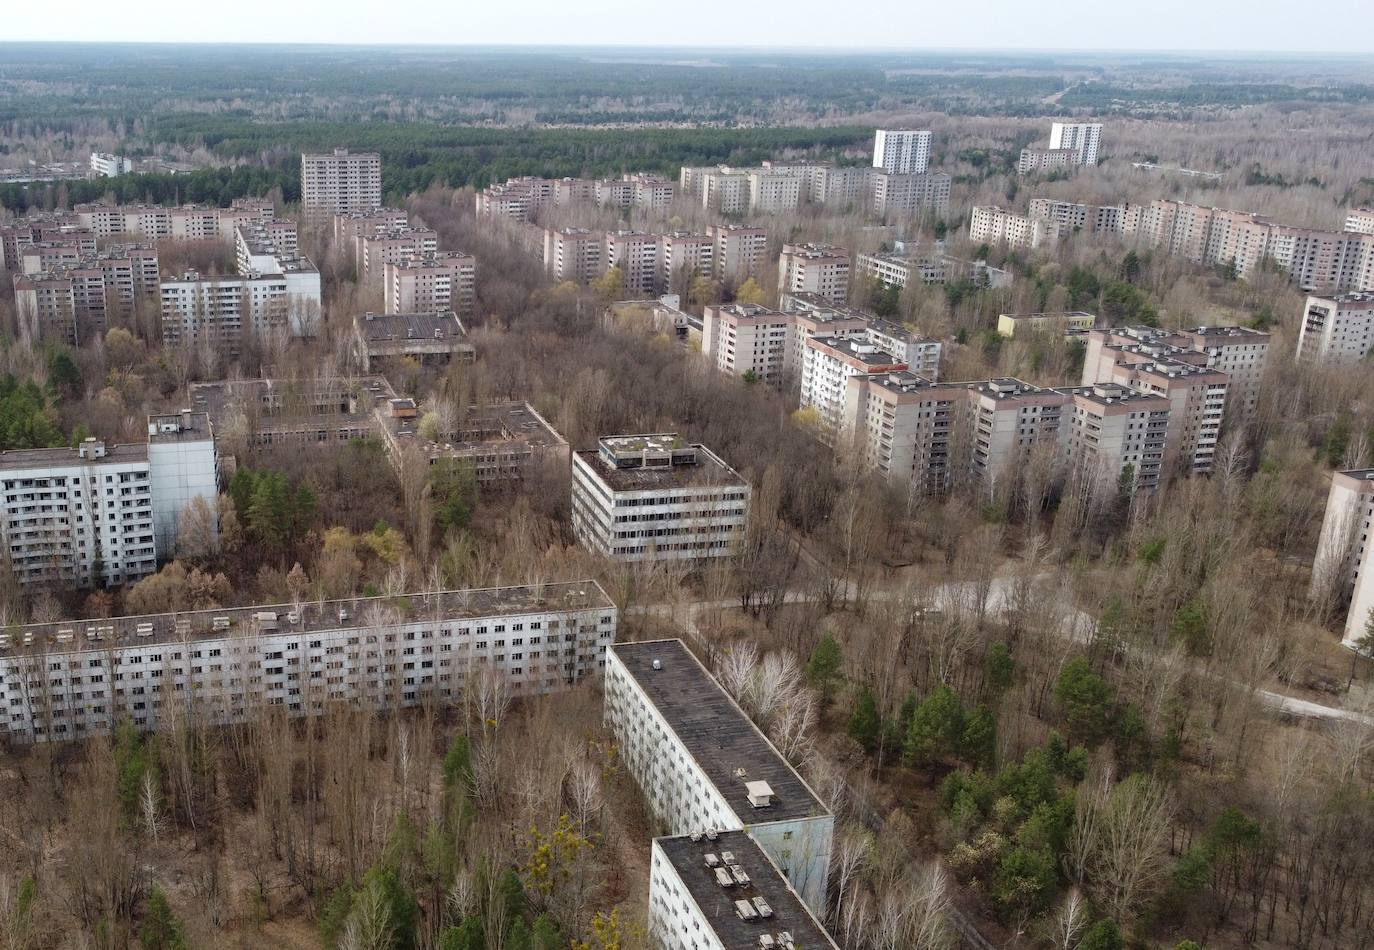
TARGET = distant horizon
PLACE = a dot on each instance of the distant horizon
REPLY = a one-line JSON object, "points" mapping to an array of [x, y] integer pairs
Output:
{"points": [[1243, 27], [836, 50]]}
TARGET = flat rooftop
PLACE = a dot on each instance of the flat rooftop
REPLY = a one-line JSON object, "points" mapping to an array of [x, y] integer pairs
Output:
{"points": [[718, 735], [358, 613], [708, 469], [19, 459], [856, 349], [281, 403], [400, 327], [480, 426], [717, 903]]}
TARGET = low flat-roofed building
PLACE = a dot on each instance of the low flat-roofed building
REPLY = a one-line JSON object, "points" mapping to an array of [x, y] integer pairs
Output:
{"points": [[693, 904], [1010, 324], [302, 657], [657, 497], [703, 765], [292, 412], [502, 441], [428, 337]]}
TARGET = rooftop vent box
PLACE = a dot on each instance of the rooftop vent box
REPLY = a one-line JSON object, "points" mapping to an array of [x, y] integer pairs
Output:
{"points": [[760, 794], [657, 664], [267, 619]]}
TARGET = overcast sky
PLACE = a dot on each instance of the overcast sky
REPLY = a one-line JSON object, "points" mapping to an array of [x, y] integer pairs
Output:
{"points": [[1279, 25]]}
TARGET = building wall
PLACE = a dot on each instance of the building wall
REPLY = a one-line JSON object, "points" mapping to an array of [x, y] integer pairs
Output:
{"points": [[69, 690], [1344, 535], [181, 470], [705, 520]]}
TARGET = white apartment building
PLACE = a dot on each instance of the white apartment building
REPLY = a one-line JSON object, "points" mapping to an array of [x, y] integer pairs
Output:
{"points": [[902, 151], [703, 766], [1034, 160], [814, 269], [70, 679], [897, 270], [636, 253], [218, 311], [893, 195], [575, 254], [992, 225], [1360, 220], [102, 515], [725, 191], [339, 182], [1083, 137], [927, 435], [747, 341], [656, 497], [1344, 536], [682, 252], [105, 165], [260, 245], [1239, 352], [826, 369], [184, 223], [1336, 331], [444, 280], [721, 891], [738, 251]]}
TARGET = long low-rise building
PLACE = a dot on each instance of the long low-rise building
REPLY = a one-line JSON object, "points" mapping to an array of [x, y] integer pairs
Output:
{"points": [[73, 679], [184, 223], [704, 767], [1012, 324]]}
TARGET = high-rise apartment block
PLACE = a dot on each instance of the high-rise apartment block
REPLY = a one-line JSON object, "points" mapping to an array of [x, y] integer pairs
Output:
{"points": [[1083, 137], [576, 254], [683, 252], [444, 280], [1034, 160], [340, 182], [1336, 331], [218, 310], [657, 497], [66, 295], [1344, 538], [901, 151], [636, 253], [104, 514], [390, 246], [705, 769], [992, 225], [1361, 220], [226, 665], [828, 365], [1326, 261], [821, 269], [772, 345], [893, 195], [737, 252]]}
